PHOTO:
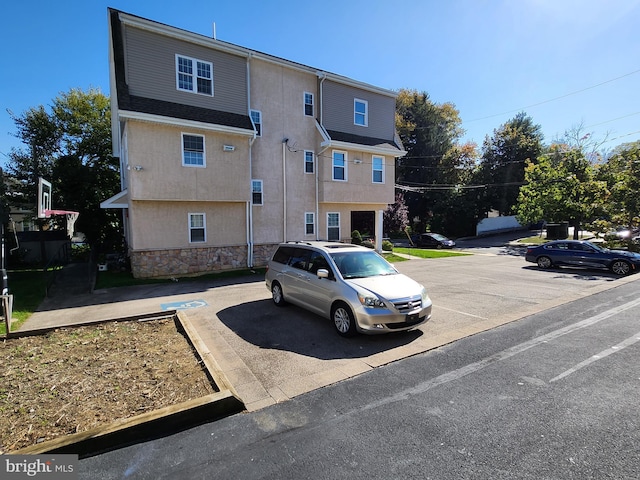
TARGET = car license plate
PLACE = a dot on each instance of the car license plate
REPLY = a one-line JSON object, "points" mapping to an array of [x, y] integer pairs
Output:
{"points": [[412, 318]]}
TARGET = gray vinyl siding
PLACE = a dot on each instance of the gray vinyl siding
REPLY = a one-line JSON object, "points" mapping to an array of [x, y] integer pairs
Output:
{"points": [[151, 72], [338, 111]]}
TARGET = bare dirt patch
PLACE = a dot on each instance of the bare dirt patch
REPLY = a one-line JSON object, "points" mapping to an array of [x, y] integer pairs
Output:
{"points": [[74, 379]]}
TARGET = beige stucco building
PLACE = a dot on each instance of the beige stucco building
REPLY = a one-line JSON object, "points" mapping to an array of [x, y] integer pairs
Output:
{"points": [[225, 151]]}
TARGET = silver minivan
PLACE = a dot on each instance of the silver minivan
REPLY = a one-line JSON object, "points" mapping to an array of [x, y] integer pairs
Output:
{"points": [[349, 284]]}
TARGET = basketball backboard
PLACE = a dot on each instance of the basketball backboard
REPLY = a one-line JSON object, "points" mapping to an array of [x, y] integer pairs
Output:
{"points": [[44, 198]]}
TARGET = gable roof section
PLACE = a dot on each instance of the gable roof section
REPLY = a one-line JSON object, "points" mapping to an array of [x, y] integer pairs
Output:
{"points": [[141, 22], [150, 106]]}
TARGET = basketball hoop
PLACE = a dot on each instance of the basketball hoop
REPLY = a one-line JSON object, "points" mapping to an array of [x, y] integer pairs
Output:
{"points": [[45, 210], [71, 221]]}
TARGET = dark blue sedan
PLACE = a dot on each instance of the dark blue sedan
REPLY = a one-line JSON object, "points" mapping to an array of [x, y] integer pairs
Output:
{"points": [[432, 240], [578, 253]]}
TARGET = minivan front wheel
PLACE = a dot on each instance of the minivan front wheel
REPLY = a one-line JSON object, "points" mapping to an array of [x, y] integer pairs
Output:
{"points": [[343, 320], [276, 294]]}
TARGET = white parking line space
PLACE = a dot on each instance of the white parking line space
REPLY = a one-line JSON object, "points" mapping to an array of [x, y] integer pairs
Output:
{"points": [[506, 354], [462, 313], [605, 353]]}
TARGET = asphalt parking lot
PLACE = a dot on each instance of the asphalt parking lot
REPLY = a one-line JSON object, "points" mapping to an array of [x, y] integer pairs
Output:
{"points": [[270, 354]]}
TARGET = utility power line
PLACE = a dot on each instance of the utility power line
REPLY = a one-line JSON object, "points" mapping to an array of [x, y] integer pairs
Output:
{"points": [[554, 99]]}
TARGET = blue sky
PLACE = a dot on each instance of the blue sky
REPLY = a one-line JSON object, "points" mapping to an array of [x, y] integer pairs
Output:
{"points": [[563, 62]]}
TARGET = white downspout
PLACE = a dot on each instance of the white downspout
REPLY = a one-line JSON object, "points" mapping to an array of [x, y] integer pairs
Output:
{"points": [[317, 226], [249, 218], [320, 108], [284, 189]]}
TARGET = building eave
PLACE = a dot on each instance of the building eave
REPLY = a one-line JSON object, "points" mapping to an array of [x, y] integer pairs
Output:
{"points": [[180, 122], [119, 200]]}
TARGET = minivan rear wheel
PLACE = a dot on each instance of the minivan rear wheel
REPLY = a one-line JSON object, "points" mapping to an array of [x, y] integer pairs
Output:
{"points": [[343, 320], [276, 294]]}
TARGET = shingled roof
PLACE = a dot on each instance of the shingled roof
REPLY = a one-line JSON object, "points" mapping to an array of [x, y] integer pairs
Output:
{"points": [[360, 140]]}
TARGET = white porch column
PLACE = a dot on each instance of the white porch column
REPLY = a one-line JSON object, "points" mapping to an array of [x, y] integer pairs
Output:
{"points": [[379, 223]]}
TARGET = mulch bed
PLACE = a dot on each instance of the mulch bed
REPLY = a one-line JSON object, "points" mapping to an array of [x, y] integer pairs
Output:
{"points": [[74, 379]]}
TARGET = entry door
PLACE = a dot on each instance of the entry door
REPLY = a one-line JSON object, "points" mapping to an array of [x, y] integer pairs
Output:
{"points": [[364, 222]]}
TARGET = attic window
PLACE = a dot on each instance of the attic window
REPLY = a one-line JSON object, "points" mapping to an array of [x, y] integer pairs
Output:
{"points": [[360, 112], [193, 75]]}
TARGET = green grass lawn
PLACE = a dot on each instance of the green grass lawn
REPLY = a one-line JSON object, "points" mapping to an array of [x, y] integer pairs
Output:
{"points": [[28, 290], [393, 258], [428, 253]]}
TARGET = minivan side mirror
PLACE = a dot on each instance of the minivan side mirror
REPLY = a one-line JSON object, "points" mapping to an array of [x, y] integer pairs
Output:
{"points": [[322, 273]]}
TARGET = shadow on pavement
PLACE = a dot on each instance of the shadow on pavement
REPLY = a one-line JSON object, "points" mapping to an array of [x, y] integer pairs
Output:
{"points": [[295, 330], [66, 298], [576, 273]]}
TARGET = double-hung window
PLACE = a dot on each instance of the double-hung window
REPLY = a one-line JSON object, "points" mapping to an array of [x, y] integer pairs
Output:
{"points": [[309, 223], [360, 112], [339, 166], [193, 75], [256, 192], [256, 118], [333, 226], [197, 228], [193, 150], [308, 104], [308, 161], [377, 166]]}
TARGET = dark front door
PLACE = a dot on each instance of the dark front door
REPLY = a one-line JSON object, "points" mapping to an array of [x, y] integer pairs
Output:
{"points": [[364, 222]]}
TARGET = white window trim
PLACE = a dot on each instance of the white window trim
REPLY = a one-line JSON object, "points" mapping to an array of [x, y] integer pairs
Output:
{"points": [[259, 112], [204, 149], [366, 112], [328, 226], [254, 180], [346, 163], [313, 223], [304, 104], [204, 226], [194, 75], [313, 162], [373, 170]]}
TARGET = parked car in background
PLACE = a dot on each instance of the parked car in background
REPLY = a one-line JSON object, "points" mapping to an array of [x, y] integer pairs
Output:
{"points": [[432, 240], [579, 253], [351, 285]]}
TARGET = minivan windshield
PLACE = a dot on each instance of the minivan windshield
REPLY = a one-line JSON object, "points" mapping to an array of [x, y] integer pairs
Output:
{"points": [[362, 264]]}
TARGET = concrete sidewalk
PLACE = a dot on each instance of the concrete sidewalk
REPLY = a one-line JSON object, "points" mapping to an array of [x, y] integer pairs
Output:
{"points": [[272, 354]]}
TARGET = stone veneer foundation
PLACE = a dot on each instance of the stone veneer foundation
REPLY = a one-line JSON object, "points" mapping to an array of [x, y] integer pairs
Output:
{"points": [[196, 261]]}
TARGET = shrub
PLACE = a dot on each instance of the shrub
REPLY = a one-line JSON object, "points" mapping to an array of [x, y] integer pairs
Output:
{"points": [[387, 246], [356, 238], [368, 244]]}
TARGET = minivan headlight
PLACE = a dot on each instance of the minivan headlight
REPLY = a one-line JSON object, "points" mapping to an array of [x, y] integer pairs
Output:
{"points": [[371, 301], [425, 296]]}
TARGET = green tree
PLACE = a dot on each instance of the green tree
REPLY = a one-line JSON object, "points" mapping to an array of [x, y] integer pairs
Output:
{"points": [[70, 146], [39, 133], [435, 164], [562, 185], [503, 160], [621, 172]]}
